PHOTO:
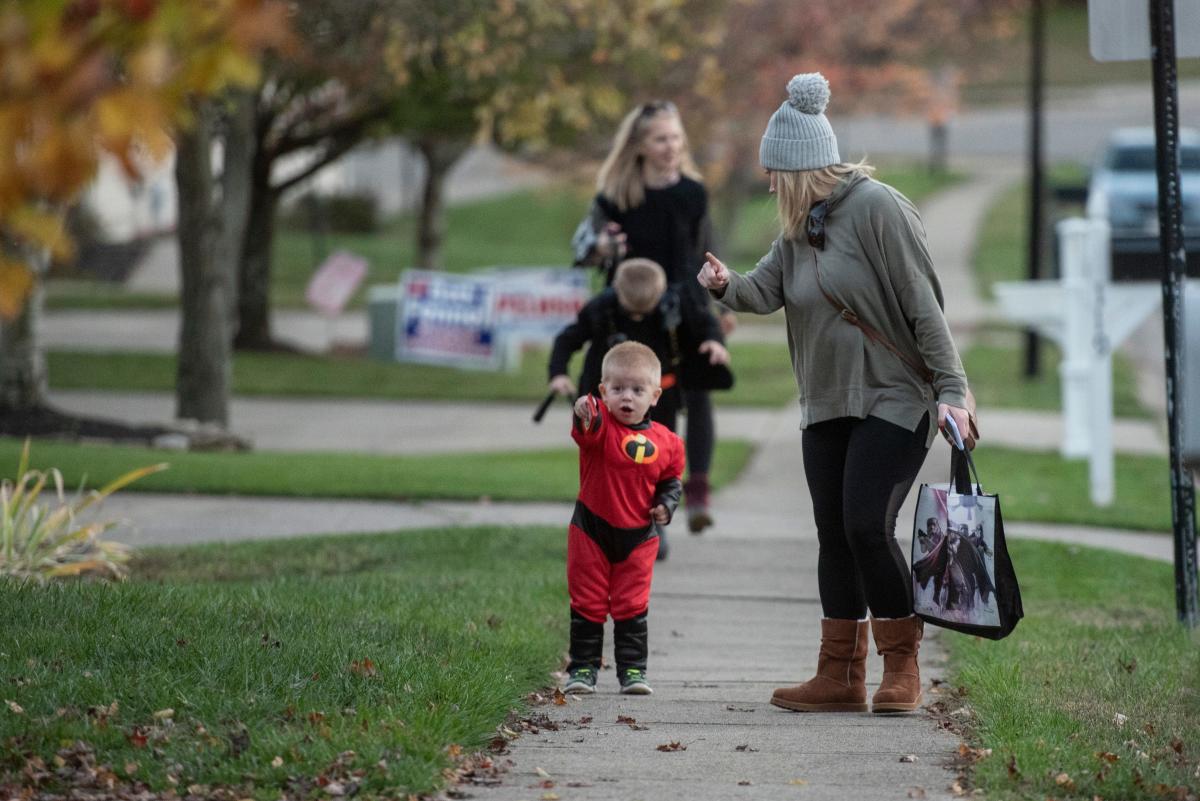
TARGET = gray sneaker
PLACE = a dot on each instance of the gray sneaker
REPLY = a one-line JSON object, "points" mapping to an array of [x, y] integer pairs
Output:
{"points": [[633, 682], [581, 681]]}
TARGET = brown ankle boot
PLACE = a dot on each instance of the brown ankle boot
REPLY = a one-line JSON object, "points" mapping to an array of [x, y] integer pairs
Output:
{"points": [[840, 684], [898, 640]]}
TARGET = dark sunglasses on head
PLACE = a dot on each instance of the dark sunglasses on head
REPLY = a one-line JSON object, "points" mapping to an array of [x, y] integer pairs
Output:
{"points": [[816, 225]]}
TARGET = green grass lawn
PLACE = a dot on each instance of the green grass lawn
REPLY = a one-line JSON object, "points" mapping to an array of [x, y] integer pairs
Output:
{"points": [[764, 376], [527, 228], [1042, 486], [1002, 243], [995, 364], [281, 667], [1099, 640], [547, 475]]}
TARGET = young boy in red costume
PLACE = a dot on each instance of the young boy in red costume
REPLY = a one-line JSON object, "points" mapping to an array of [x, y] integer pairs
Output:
{"points": [[629, 485]]}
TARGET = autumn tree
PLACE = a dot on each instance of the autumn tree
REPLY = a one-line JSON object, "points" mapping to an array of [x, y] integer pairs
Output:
{"points": [[529, 74], [82, 77], [890, 57], [320, 100]]}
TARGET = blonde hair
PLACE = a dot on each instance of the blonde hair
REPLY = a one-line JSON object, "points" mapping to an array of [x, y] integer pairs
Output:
{"points": [[631, 356], [639, 284], [620, 178], [798, 190]]}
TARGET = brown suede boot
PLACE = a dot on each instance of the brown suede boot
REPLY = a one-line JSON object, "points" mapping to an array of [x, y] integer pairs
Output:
{"points": [[841, 681], [898, 641]]}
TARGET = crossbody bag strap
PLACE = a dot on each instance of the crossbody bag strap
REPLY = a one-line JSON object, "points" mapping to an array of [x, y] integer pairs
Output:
{"points": [[851, 317]]}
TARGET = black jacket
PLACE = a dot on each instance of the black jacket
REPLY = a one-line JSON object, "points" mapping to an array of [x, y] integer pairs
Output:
{"points": [[672, 330]]}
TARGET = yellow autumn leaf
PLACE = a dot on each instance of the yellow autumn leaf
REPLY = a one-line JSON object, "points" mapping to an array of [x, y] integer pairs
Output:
{"points": [[44, 230], [16, 282]]}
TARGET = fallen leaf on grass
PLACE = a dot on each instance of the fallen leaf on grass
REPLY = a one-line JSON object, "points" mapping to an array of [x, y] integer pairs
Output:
{"points": [[277, 762], [970, 754], [364, 668], [164, 714], [1119, 720], [1011, 765], [454, 750], [1107, 756], [909, 758], [1065, 781], [674, 745], [15, 707], [137, 738]]}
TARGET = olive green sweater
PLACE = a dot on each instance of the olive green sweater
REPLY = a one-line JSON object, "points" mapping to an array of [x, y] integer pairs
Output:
{"points": [[875, 262]]}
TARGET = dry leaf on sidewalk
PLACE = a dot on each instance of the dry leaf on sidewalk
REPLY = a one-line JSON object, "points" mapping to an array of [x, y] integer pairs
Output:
{"points": [[674, 745]]}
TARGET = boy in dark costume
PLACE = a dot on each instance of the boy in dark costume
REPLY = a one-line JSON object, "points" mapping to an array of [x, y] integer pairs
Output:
{"points": [[629, 486]]}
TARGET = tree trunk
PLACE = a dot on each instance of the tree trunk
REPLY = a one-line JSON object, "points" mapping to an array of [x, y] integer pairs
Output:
{"points": [[210, 231], [431, 224], [22, 364], [254, 270]]}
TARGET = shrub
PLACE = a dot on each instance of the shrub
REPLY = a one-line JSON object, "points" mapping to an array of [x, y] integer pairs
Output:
{"points": [[42, 541], [351, 213]]}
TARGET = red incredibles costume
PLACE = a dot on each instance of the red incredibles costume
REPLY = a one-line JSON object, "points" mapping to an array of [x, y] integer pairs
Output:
{"points": [[624, 471]]}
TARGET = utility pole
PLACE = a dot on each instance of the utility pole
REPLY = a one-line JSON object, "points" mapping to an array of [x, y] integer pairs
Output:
{"points": [[1036, 228], [1174, 261]]}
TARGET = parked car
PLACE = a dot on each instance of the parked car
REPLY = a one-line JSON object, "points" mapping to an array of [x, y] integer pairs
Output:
{"points": [[1124, 190]]}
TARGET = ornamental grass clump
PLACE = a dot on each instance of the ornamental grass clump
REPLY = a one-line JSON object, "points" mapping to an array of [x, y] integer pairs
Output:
{"points": [[42, 540]]}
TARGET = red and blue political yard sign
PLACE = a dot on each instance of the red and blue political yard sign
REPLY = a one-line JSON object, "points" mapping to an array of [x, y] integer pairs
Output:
{"points": [[448, 319]]}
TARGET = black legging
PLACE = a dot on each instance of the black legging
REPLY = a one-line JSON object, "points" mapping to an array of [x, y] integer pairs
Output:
{"points": [[859, 472], [700, 430]]}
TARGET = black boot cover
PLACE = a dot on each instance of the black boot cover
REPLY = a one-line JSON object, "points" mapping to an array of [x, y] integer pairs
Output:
{"points": [[631, 643], [587, 643]]}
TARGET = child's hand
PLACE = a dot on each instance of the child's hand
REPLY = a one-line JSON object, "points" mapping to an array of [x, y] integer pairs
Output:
{"points": [[660, 515], [562, 385], [585, 410], [717, 354]]}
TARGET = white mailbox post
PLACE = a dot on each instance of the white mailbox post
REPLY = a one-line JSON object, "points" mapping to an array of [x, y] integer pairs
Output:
{"points": [[1087, 316]]}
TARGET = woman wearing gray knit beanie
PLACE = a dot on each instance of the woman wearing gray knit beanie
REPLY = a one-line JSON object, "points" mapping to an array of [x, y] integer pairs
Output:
{"points": [[878, 374]]}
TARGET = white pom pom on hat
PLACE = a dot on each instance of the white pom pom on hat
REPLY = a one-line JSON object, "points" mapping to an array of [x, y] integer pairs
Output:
{"points": [[809, 92], [798, 136]]}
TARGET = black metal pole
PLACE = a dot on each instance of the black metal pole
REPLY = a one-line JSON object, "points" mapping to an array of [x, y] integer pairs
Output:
{"points": [[1174, 261], [1034, 257]]}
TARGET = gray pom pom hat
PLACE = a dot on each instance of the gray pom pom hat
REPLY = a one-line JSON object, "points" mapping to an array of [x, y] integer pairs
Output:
{"points": [[798, 136]]}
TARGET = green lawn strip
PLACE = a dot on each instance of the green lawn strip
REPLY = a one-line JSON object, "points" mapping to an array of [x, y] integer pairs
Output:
{"points": [[1099, 640], [545, 475], [995, 363], [1001, 248], [260, 650], [1042, 486], [764, 376]]}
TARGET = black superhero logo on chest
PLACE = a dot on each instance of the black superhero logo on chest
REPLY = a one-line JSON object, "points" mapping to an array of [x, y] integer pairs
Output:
{"points": [[639, 448]]}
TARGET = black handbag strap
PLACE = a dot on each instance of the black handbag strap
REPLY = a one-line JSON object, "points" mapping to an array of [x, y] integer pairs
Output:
{"points": [[960, 472]]}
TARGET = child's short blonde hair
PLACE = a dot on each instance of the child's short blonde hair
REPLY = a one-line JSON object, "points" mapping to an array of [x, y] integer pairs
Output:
{"points": [[639, 284], [631, 356]]}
